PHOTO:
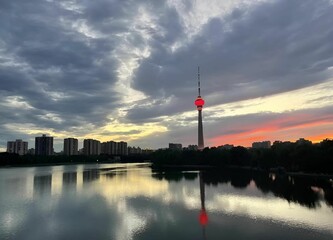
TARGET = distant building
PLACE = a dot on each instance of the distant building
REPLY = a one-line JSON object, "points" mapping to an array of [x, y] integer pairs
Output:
{"points": [[58, 153], [175, 146], [44, 145], [11, 146], [114, 148], [91, 147], [81, 151], [147, 151], [18, 146], [192, 147], [226, 146], [71, 146], [31, 151], [122, 148], [109, 147], [264, 144], [278, 142], [134, 150]]}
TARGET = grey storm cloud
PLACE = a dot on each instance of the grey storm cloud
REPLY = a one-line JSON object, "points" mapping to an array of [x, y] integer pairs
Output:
{"points": [[43, 55], [277, 46]]}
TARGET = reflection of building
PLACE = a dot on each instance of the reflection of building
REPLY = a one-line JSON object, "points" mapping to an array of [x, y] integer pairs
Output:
{"points": [[90, 175], [71, 146], [69, 180], [42, 185], [199, 102], [264, 144], [175, 146], [44, 145], [91, 147], [17, 146]]}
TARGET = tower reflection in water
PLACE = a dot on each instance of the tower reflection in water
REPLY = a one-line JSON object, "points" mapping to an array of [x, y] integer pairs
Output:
{"points": [[203, 217]]}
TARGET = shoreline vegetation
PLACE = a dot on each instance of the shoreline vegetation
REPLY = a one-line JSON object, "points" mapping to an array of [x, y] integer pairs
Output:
{"points": [[8, 160], [282, 157]]}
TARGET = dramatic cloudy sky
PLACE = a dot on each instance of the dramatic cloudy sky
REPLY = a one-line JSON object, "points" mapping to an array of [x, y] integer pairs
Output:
{"points": [[127, 70]]}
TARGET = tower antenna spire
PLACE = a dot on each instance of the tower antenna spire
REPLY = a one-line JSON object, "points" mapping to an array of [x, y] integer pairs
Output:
{"points": [[199, 81]]}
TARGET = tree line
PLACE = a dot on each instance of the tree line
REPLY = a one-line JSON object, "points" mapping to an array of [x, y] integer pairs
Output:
{"points": [[294, 157], [13, 159]]}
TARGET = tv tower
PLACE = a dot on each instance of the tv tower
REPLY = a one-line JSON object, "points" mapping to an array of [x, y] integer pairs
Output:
{"points": [[199, 102]]}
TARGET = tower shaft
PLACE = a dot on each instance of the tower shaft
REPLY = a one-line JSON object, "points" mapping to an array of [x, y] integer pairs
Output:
{"points": [[200, 131]]}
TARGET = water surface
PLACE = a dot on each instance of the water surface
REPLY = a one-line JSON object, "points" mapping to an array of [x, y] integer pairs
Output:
{"points": [[130, 201]]}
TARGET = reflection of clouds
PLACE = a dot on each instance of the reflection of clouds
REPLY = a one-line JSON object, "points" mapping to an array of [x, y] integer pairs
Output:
{"points": [[68, 218], [225, 201], [131, 184], [9, 221], [56, 183], [272, 208], [118, 186], [130, 223], [125, 203]]}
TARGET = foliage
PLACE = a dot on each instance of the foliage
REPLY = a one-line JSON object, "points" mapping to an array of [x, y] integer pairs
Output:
{"points": [[305, 157], [11, 159]]}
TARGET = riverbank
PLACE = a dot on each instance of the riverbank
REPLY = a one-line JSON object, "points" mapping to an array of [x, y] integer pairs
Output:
{"points": [[169, 167]]}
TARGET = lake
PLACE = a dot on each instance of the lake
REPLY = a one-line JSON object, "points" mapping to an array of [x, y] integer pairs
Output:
{"points": [[131, 201]]}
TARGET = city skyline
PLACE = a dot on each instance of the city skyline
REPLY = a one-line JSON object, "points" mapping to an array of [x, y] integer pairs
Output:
{"points": [[112, 70], [72, 146], [44, 146]]}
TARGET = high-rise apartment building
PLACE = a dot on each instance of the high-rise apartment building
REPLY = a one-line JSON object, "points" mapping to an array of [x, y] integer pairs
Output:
{"points": [[91, 147], [71, 146], [11, 147], [122, 148], [114, 148], [175, 146], [44, 145], [109, 147], [18, 146]]}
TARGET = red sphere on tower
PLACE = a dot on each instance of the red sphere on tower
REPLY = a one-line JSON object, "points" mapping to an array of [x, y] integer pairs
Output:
{"points": [[199, 102]]}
